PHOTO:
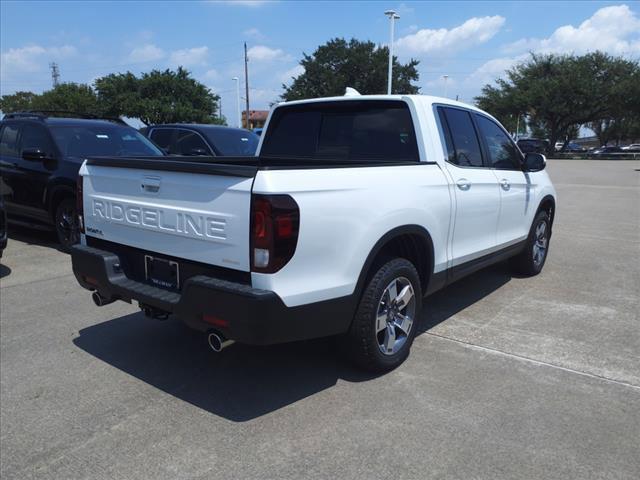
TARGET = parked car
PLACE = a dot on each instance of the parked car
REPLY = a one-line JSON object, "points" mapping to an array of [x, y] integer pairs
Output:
{"points": [[202, 139], [570, 147], [40, 156], [605, 150], [353, 211], [634, 147], [533, 145], [3, 226]]}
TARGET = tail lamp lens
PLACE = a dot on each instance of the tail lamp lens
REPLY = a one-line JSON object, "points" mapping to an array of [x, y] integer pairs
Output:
{"points": [[275, 221], [79, 204]]}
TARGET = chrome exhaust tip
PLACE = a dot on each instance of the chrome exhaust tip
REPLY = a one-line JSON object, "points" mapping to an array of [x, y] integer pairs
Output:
{"points": [[217, 342], [101, 301]]}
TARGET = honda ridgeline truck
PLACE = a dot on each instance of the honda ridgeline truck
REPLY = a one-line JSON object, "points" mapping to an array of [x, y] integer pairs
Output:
{"points": [[352, 211]]}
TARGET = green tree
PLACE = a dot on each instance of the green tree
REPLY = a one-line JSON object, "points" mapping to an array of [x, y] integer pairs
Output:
{"points": [[361, 65], [72, 97], [560, 92], [19, 101], [158, 97]]}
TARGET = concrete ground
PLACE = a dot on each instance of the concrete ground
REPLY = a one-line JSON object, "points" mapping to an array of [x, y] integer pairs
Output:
{"points": [[510, 378]]}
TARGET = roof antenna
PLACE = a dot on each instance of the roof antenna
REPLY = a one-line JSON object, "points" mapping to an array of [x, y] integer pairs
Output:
{"points": [[351, 92]]}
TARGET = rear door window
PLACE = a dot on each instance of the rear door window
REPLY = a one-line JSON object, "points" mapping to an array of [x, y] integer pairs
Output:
{"points": [[350, 131], [466, 146], [9, 141]]}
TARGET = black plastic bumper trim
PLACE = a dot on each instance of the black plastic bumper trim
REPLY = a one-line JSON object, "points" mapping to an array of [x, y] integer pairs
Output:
{"points": [[254, 316]]}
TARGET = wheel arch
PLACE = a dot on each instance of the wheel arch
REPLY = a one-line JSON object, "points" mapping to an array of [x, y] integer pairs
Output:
{"points": [[548, 204], [412, 242], [56, 194]]}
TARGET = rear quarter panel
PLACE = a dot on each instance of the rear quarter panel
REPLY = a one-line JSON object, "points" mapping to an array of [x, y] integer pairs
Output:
{"points": [[343, 213]]}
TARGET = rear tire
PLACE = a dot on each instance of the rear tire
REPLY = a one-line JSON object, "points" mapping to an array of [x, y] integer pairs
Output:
{"points": [[531, 260], [66, 224], [386, 320]]}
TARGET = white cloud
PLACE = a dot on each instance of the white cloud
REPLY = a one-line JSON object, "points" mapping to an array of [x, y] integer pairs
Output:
{"points": [[211, 74], [262, 53], [32, 58], [253, 33], [146, 53], [493, 69], [615, 30], [474, 31], [189, 57], [292, 73]]}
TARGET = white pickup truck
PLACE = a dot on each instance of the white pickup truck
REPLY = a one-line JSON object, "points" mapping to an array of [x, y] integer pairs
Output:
{"points": [[352, 211]]}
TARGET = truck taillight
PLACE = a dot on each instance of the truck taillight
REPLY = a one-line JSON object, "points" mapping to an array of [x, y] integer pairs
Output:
{"points": [[79, 206], [275, 221]]}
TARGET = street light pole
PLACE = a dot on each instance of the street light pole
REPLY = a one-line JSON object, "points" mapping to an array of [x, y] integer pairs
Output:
{"points": [[237, 80], [446, 77], [393, 16]]}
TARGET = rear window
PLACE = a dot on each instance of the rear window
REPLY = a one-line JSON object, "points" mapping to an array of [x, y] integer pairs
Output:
{"points": [[102, 140], [361, 131]]}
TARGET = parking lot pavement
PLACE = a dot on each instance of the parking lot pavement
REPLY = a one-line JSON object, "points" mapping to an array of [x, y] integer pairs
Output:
{"points": [[510, 377]]}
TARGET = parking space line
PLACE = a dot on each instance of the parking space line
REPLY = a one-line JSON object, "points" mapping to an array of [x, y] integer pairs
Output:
{"points": [[535, 362], [36, 281]]}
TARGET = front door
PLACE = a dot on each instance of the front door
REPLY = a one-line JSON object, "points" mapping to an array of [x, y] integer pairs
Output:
{"points": [[477, 195], [505, 161]]}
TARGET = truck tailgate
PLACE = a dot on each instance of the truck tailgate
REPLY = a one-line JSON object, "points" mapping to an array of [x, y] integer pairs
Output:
{"points": [[188, 209]]}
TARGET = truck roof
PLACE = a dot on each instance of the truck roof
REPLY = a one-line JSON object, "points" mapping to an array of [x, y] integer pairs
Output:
{"points": [[418, 99]]}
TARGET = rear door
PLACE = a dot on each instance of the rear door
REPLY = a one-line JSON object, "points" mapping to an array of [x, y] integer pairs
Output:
{"points": [[505, 161], [33, 175], [9, 154], [188, 214], [476, 188]]}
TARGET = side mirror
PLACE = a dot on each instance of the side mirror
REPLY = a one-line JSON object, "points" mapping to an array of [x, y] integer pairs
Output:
{"points": [[534, 162], [34, 155]]}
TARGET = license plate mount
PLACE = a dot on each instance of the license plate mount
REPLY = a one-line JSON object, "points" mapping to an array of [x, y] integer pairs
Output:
{"points": [[162, 273]]}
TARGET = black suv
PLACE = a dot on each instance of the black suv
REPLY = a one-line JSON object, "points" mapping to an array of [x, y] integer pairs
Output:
{"points": [[533, 145], [40, 155], [203, 139]]}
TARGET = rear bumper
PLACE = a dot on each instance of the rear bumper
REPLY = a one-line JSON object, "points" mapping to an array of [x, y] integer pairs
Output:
{"points": [[240, 312]]}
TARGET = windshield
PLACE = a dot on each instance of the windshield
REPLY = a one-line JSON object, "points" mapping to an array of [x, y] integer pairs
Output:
{"points": [[102, 140], [232, 142]]}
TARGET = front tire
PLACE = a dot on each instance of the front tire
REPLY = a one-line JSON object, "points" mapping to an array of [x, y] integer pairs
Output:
{"points": [[531, 260], [66, 224], [386, 319]]}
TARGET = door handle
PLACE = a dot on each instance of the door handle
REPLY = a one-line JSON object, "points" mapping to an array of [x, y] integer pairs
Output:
{"points": [[504, 183], [150, 184], [463, 184]]}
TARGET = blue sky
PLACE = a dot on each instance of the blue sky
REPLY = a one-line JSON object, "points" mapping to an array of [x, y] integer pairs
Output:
{"points": [[471, 42]]}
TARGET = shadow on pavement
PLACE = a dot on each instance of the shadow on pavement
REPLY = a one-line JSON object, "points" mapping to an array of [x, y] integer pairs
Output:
{"points": [[32, 236], [246, 382], [4, 271]]}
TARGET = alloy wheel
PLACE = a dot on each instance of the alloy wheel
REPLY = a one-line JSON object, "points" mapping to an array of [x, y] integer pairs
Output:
{"points": [[395, 315]]}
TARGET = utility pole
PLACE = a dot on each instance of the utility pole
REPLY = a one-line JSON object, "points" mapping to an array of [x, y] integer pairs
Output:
{"points": [[446, 77], [55, 74], [393, 16], [246, 83]]}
